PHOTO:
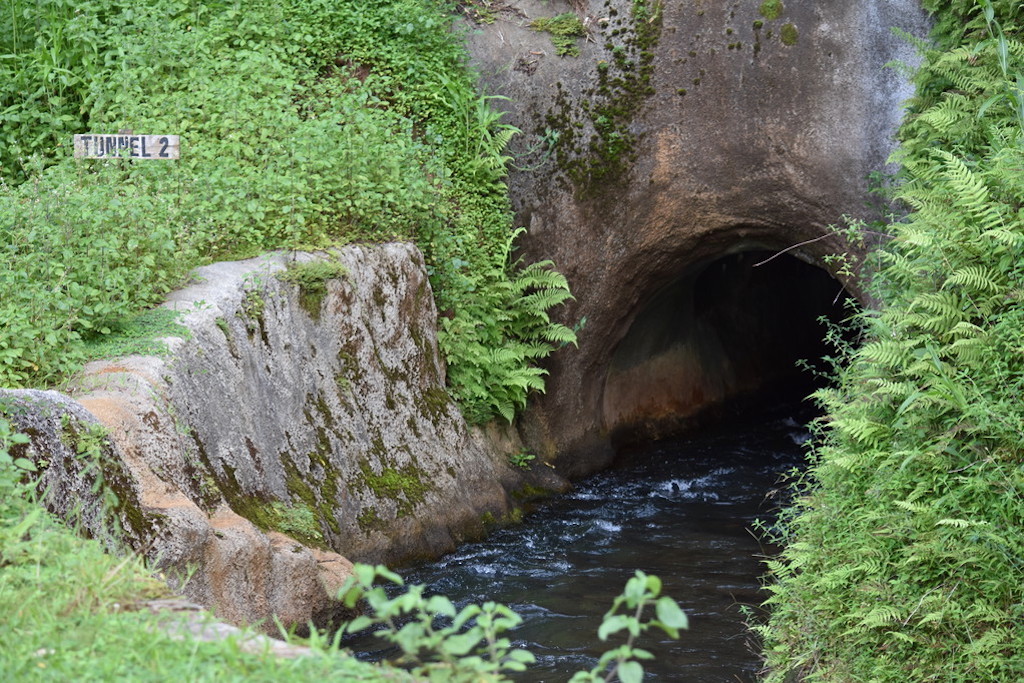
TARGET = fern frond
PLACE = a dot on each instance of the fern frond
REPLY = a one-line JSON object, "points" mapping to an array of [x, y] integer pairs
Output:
{"points": [[944, 304], [556, 333], [539, 302], [505, 409], [970, 189], [499, 141], [948, 115], [864, 431], [910, 506], [964, 330], [888, 353], [527, 382], [960, 523], [540, 275], [1006, 237], [881, 616], [954, 66], [976, 278], [991, 643], [899, 635]]}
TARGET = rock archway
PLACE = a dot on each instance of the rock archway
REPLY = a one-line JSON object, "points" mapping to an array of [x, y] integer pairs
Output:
{"points": [[721, 329], [686, 137]]}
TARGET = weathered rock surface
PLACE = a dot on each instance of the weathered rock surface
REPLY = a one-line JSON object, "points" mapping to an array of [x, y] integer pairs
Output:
{"points": [[696, 131], [286, 434]]}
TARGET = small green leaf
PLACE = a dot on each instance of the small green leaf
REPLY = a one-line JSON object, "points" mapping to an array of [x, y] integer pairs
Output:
{"points": [[441, 605], [630, 672], [25, 464], [359, 624], [612, 624], [521, 656], [670, 614], [462, 644]]}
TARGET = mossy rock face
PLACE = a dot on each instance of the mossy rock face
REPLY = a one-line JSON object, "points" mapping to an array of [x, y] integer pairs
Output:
{"points": [[275, 438], [332, 425], [79, 469], [682, 133]]}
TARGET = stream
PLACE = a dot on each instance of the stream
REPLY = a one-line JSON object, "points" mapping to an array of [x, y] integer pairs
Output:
{"points": [[681, 509]]}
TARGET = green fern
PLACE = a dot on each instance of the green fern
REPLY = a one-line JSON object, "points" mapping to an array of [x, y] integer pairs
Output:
{"points": [[493, 347], [977, 278], [898, 562]]}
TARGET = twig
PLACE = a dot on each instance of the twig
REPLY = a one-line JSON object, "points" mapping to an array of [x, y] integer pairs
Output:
{"points": [[791, 248]]}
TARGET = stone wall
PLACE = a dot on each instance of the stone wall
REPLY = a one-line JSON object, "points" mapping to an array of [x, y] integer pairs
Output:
{"points": [[285, 435]]}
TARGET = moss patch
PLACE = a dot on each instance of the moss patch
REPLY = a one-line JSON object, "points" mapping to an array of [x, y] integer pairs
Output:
{"points": [[771, 9], [789, 35], [406, 486], [312, 278], [624, 82], [565, 29], [369, 520], [299, 518], [297, 521], [350, 367], [434, 403]]}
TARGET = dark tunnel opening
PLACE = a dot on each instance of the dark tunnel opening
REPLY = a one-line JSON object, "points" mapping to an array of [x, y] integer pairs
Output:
{"points": [[722, 330]]}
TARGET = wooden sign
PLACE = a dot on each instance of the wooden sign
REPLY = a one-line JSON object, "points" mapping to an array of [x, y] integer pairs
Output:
{"points": [[96, 146]]}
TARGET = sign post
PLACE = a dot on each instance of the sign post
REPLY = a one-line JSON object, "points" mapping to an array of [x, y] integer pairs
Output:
{"points": [[121, 146]]}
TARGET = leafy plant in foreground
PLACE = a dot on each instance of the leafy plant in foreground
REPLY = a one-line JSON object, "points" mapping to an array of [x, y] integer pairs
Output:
{"points": [[641, 592], [17, 515], [437, 640], [444, 643]]}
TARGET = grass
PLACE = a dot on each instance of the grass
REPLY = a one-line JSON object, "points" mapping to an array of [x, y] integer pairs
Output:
{"points": [[73, 612], [139, 334]]}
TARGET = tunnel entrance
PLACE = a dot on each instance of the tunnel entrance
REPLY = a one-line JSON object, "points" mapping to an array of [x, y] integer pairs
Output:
{"points": [[723, 329]]}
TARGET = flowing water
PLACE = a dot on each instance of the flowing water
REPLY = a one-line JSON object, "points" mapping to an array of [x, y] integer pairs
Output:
{"points": [[680, 509]]}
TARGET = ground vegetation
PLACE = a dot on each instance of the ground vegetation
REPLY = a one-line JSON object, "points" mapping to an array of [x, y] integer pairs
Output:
{"points": [[904, 548]]}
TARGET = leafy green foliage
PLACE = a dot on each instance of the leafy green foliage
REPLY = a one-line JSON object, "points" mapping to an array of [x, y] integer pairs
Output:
{"points": [[438, 641], [48, 51], [442, 643], [642, 591], [83, 254], [903, 550], [304, 123], [521, 458], [493, 339], [17, 517]]}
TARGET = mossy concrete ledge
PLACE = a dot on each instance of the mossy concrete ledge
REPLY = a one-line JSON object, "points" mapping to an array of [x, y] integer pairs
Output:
{"points": [[274, 444]]}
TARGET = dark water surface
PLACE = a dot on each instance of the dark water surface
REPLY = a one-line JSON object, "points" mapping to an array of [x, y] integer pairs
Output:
{"points": [[680, 509]]}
